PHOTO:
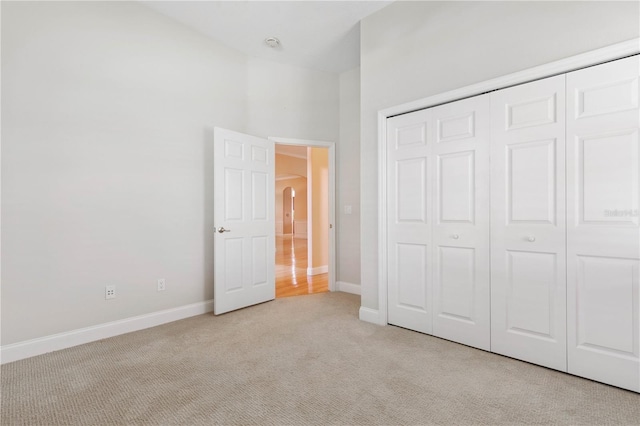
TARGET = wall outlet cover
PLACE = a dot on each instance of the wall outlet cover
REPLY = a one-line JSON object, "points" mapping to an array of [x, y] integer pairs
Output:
{"points": [[110, 292]]}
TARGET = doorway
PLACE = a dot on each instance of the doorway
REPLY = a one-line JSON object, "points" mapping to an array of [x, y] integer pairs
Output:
{"points": [[288, 209], [304, 191]]}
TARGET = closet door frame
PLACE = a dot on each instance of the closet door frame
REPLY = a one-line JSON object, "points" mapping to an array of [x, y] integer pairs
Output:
{"points": [[610, 53]]}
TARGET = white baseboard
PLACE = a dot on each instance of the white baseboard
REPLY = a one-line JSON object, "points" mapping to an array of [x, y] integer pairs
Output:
{"points": [[348, 287], [370, 315], [318, 270], [55, 342]]}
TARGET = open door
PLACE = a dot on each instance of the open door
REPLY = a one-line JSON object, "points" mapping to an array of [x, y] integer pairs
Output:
{"points": [[244, 248]]}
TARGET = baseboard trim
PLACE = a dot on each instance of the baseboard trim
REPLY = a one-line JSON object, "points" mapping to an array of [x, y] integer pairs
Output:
{"points": [[318, 270], [56, 342], [348, 287], [370, 315]]}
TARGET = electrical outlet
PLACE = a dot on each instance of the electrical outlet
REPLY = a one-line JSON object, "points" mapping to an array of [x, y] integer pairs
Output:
{"points": [[161, 284], [110, 292]]}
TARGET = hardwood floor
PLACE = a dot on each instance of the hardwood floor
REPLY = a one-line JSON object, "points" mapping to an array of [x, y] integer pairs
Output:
{"points": [[291, 269]]}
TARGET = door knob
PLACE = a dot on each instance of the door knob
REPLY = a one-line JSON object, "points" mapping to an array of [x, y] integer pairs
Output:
{"points": [[221, 230], [531, 239], [455, 236]]}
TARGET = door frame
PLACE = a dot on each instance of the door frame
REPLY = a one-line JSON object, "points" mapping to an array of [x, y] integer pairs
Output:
{"points": [[572, 63], [331, 146]]}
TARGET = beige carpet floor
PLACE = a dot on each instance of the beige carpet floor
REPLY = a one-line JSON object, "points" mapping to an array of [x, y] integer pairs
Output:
{"points": [[296, 361]]}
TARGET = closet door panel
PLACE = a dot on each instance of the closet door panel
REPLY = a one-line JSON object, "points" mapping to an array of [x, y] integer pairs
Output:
{"points": [[409, 170], [528, 281], [603, 252], [461, 292]]}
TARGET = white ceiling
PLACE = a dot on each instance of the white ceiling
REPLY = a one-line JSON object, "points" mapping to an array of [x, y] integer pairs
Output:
{"points": [[323, 35]]}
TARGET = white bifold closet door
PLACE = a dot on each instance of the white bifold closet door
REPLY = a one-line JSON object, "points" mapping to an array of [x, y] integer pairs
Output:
{"points": [[461, 287], [528, 241], [603, 160], [409, 245], [438, 221]]}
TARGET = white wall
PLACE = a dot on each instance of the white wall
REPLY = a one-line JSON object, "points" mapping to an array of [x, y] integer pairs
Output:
{"points": [[348, 179], [411, 50], [317, 209], [107, 116], [292, 102]]}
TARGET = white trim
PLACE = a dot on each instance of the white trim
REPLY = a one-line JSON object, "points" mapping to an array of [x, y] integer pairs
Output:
{"points": [[68, 339], [610, 53], [371, 315], [303, 142], [348, 287], [332, 196], [382, 222], [318, 270], [583, 60]]}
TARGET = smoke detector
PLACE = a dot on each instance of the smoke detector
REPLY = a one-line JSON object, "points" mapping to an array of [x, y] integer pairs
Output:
{"points": [[272, 42]]}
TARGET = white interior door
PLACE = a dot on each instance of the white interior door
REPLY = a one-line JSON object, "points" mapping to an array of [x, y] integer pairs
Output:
{"points": [[603, 224], [528, 241], [244, 248], [409, 169], [461, 291]]}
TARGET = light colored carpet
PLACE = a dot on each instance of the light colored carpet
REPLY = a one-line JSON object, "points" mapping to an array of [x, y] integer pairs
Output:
{"points": [[296, 361]]}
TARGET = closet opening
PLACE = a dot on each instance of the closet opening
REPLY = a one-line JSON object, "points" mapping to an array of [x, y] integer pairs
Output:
{"points": [[494, 220]]}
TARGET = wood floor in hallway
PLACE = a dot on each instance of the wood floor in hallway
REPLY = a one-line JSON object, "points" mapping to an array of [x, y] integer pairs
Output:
{"points": [[291, 269]]}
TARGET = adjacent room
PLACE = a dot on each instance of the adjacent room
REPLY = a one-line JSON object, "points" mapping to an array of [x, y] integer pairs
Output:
{"points": [[302, 208], [320, 212]]}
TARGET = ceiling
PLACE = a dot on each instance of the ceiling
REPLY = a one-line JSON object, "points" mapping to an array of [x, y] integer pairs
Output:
{"points": [[322, 35], [292, 150]]}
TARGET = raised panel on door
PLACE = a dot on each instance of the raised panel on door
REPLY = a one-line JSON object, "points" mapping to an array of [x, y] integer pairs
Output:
{"points": [[408, 221], [531, 182], [603, 251], [233, 252], [456, 285], [531, 278], [461, 288], [528, 242], [456, 180]]}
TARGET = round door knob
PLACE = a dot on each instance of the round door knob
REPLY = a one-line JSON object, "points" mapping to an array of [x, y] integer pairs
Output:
{"points": [[455, 236], [221, 230], [531, 239]]}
